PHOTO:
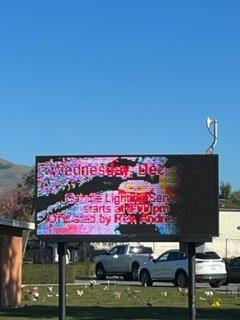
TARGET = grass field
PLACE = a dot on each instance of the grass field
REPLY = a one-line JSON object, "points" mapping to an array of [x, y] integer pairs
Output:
{"points": [[115, 301]]}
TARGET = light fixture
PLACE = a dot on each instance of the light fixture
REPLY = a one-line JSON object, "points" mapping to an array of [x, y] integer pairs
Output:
{"points": [[212, 129]]}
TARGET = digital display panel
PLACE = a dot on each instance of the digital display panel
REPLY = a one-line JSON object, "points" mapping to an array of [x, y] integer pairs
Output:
{"points": [[133, 198]]}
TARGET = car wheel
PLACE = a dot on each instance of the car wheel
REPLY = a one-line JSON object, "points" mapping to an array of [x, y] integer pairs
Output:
{"points": [[135, 272], [100, 272], [181, 279], [127, 276], [226, 282], [216, 284], [145, 279]]}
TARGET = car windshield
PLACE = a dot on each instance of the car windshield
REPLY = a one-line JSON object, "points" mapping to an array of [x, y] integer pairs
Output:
{"points": [[140, 250]]}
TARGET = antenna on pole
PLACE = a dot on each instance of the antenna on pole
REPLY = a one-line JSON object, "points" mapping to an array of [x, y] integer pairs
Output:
{"points": [[212, 129]]}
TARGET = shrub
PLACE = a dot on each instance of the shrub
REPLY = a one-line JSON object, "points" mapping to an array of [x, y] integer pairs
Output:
{"points": [[45, 273], [84, 269], [48, 273]]}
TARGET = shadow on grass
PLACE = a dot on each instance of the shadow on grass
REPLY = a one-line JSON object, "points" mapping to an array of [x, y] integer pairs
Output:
{"points": [[90, 313]]}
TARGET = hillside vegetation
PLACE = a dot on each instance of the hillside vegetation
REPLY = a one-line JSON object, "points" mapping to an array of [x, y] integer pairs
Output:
{"points": [[11, 174]]}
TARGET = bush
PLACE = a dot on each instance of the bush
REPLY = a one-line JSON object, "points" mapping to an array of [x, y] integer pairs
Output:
{"points": [[84, 269], [45, 273], [48, 273], [28, 257]]}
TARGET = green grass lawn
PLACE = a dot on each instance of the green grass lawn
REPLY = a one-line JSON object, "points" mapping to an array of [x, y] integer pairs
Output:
{"points": [[122, 302]]}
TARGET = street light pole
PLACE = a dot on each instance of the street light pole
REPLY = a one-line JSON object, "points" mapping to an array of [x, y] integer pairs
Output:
{"points": [[212, 126]]}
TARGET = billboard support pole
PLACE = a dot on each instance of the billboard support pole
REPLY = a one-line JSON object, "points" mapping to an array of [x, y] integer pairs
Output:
{"points": [[191, 283], [62, 251]]}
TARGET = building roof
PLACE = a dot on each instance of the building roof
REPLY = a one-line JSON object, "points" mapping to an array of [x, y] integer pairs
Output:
{"points": [[17, 224], [225, 205]]}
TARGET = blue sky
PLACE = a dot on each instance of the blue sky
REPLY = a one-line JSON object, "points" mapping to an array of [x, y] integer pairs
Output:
{"points": [[102, 77]]}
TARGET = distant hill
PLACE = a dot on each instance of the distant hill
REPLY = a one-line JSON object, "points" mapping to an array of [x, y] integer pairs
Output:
{"points": [[11, 174]]}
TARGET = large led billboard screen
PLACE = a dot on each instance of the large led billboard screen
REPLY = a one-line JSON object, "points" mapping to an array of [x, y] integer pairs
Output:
{"points": [[126, 197]]}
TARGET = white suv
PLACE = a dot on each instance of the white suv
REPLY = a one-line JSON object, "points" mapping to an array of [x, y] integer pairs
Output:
{"points": [[172, 266]]}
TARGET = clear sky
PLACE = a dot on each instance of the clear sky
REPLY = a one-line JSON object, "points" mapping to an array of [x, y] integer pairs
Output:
{"points": [[112, 77]]}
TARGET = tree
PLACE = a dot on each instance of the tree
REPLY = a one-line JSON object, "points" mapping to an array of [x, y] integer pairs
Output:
{"points": [[29, 187], [225, 190], [235, 197], [14, 203], [227, 193], [17, 203]]}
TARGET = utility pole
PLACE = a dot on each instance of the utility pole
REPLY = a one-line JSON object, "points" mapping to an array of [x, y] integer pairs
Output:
{"points": [[213, 130]]}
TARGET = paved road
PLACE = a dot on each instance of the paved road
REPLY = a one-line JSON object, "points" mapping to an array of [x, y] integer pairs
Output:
{"points": [[231, 287]]}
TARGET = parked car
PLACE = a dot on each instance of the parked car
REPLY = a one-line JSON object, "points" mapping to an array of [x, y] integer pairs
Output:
{"points": [[172, 266], [122, 260], [233, 271]]}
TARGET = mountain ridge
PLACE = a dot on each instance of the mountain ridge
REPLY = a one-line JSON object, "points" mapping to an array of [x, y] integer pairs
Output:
{"points": [[11, 174]]}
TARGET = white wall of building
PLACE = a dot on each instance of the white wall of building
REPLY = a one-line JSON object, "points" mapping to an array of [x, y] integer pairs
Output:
{"points": [[228, 243]]}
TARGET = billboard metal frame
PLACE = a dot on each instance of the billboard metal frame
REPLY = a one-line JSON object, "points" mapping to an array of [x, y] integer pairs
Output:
{"points": [[131, 237]]}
